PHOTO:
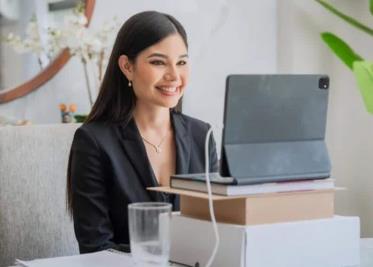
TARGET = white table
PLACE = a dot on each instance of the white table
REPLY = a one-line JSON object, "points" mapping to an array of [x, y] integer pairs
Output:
{"points": [[366, 252], [366, 255]]}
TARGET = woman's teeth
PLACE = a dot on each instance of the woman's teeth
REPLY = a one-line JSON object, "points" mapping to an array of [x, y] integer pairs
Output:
{"points": [[168, 89]]}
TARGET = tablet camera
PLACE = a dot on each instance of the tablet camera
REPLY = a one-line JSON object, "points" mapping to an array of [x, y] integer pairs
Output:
{"points": [[324, 83]]}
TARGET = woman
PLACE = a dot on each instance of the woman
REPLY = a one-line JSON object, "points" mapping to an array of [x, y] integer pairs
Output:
{"points": [[133, 139]]}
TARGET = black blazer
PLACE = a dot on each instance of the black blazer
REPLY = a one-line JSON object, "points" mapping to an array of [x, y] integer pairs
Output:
{"points": [[109, 169]]}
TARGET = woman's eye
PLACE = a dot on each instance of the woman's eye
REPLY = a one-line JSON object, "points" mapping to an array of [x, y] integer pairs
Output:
{"points": [[157, 62], [183, 62]]}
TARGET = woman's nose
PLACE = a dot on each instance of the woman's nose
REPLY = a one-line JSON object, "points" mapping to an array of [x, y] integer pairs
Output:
{"points": [[171, 74]]}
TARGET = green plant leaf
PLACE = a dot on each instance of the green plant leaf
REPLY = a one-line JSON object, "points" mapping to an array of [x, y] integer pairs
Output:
{"points": [[341, 49], [347, 18], [371, 6], [80, 117], [363, 71]]}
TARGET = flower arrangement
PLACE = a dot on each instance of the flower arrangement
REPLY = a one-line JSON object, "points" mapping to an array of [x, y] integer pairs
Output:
{"points": [[91, 47], [67, 112], [31, 43]]}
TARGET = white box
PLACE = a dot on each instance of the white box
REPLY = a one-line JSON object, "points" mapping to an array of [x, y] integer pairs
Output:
{"points": [[332, 242]]}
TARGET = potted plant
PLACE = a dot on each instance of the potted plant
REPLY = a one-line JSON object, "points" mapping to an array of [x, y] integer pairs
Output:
{"points": [[361, 68]]}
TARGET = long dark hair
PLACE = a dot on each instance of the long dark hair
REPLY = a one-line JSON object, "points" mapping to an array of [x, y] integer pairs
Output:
{"points": [[116, 100]]}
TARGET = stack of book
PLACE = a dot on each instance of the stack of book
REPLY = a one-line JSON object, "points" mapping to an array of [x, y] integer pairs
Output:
{"points": [[257, 203]]}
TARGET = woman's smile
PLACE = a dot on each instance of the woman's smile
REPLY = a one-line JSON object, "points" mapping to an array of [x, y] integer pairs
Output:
{"points": [[169, 90]]}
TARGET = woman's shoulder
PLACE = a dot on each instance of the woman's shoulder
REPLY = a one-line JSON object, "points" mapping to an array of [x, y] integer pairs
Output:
{"points": [[96, 130], [94, 127], [191, 123]]}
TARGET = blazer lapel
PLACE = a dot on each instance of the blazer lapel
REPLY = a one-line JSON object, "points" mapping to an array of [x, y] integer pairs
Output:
{"points": [[134, 148], [182, 141], [136, 153]]}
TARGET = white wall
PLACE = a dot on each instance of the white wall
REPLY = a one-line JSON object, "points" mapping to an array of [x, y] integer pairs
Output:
{"points": [[350, 127], [225, 37]]}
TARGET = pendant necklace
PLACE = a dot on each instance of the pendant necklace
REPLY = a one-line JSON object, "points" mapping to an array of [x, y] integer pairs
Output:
{"points": [[156, 147]]}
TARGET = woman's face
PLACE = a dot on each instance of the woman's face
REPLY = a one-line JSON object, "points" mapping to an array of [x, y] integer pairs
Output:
{"points": [[160, 73]]}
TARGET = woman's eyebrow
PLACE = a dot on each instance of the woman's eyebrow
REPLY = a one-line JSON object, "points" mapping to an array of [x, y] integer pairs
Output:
{"points": [[164, 56]]}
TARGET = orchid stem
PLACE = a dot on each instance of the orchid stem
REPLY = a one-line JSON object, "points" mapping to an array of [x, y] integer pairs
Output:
{"points": [[87, 82]]}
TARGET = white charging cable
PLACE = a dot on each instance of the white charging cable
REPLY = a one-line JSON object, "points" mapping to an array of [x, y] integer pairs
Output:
{"points": [[211, 204]]}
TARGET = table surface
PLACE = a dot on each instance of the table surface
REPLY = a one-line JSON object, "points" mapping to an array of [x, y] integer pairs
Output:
{"points": [[366, 254]]}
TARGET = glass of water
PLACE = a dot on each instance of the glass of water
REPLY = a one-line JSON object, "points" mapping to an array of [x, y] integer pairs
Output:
{"points": [[149, 226]]}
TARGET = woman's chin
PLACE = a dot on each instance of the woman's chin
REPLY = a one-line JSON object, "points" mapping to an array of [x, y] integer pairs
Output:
{"points": [[170, 104]]}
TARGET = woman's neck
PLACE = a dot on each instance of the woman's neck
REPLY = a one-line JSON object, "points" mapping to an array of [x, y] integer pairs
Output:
{"points": [[152, 119]]}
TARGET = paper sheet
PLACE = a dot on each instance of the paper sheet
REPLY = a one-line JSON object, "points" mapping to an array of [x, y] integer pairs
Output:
{"points": [[97, 259]]}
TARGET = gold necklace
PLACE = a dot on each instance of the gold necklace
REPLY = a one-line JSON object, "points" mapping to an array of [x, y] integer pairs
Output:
{"points": [[156, 147]]}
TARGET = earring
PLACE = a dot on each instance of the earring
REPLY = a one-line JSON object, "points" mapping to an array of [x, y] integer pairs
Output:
{"points": [[129, 84]]}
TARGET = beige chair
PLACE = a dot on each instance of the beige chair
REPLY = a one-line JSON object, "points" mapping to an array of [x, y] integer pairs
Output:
{"points": [[33, 218]]}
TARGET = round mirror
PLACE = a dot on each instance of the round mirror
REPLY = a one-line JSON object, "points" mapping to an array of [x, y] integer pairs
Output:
{"points": [[24, 72]]}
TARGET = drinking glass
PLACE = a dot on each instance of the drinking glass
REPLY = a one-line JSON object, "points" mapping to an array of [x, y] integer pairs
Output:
{"points": [[149, 226]]}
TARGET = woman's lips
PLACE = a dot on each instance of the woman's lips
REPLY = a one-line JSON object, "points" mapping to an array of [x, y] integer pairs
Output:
{"points": [[168, 91]]}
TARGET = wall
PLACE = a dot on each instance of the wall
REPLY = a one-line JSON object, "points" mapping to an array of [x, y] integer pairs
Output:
{"points": [[349, 127], [225, 37]]}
